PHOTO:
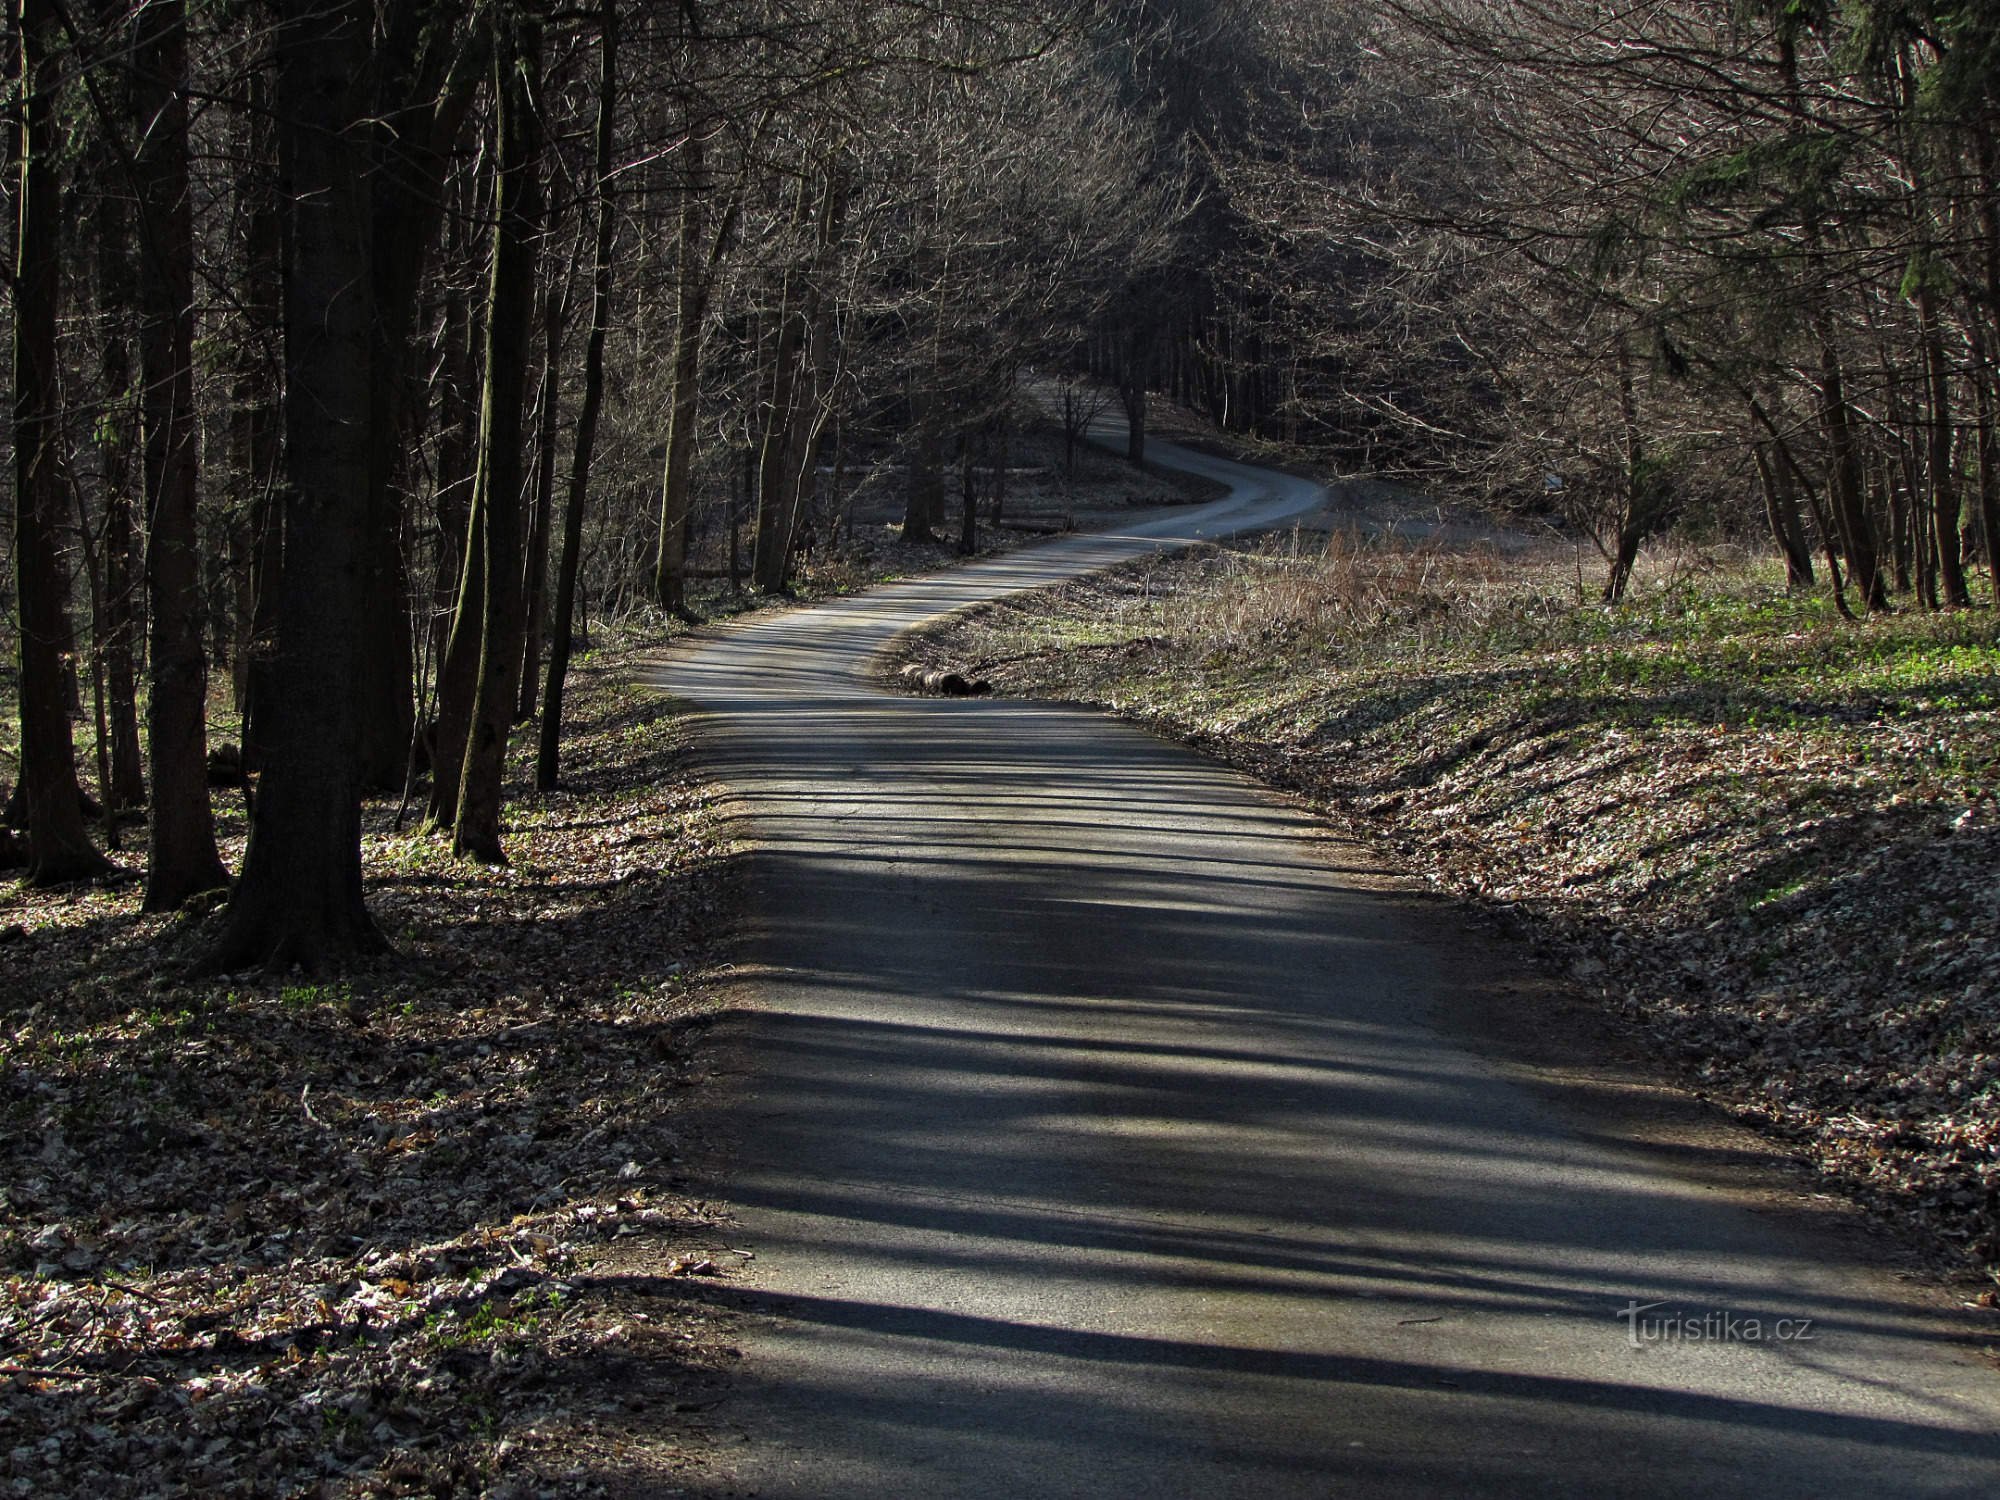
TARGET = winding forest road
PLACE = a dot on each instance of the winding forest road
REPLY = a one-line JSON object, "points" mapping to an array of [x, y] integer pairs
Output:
{"points": [[1105, 1131]]}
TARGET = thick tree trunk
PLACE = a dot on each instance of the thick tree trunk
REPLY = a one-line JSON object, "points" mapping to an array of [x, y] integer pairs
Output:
{"points": [[548, 758], [300, 899], [496, 499], [59, 846], [182, 860]]}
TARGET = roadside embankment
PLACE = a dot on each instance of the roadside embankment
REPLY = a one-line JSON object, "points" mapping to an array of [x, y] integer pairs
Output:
{"points": [[1765, 834]]}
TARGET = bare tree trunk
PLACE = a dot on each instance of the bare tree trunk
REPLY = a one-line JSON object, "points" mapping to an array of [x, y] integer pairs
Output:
{"points": [[429, 77], [1781, 512], [1942, 483], [300, 898], [548, 759], [457, 449], [968, 498], [701, 251], [1002, 441], [1857, 535], [182, 860], [1133, 378], [555, 312], [496, 499], [1905, 565], [118, 636], [1790, 462], [59, 846], [741, 496], [799, 406], [1644, 507], [925, 496], [683, 401], [257, 393], [1989, 466], [776, 482]]}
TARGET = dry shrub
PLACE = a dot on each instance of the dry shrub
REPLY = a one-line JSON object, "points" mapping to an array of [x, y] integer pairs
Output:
{"points": [[1352, 586]]}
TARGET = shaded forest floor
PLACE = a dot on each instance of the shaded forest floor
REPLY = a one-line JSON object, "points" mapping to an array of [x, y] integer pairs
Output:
{"points": [[265, 1237], [1766, 836]]}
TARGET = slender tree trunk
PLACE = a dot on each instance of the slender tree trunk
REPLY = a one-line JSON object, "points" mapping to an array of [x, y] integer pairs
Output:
{"points": [[119, 635], [300, 897], [1821, 523], [1857, 534], [670, 559], [1781, 512], [457, 450], [1988, 198], [182, 861], [742, 495], [925, 495], [258, 384], [1002, 441], [1940, 481], [548, 759], [1642, 507], [496, 499], [429, 83], [776, 483], [1988, 439], [59, 846], [1134, 376], [1904, 562], [968, 497], [800, 417], [554, 315]]}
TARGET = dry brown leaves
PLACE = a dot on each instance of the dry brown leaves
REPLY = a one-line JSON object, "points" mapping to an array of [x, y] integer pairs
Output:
{"points": [[269, 1237]]}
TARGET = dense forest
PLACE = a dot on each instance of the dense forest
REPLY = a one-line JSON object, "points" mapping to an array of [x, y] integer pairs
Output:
{"points": [[361, 351]]}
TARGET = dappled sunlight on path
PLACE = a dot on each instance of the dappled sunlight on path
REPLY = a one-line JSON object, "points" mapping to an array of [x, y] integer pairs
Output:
{"points": [[1102, 1135]]}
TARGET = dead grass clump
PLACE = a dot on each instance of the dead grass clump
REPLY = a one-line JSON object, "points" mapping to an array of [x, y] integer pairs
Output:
{"points": [[1333, 592]]}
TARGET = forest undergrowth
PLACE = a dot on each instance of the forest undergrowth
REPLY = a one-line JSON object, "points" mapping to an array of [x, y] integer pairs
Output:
{"points": [[1764, 834]]}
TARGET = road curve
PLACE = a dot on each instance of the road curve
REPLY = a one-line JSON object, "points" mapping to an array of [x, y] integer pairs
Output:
{"points": [[1103, 1136]]}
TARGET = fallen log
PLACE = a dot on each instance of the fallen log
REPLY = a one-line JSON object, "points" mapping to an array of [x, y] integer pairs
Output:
{"points": [[944, 682]]}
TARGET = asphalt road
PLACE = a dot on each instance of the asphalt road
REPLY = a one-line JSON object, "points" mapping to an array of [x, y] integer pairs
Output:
{"points": [[1105, 1134]]}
